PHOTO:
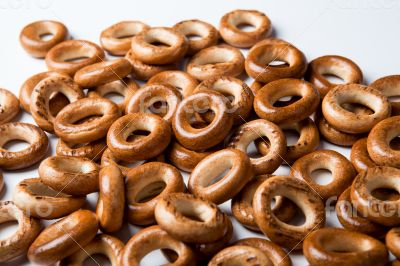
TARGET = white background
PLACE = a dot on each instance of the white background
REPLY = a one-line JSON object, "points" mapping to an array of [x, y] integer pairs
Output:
{"points": [[364, 31]]}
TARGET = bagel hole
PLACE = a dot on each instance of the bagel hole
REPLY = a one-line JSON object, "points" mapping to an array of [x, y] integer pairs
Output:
{"points": [[132, 164], [385, 194], [252, 150], [219, 177], [8, 228], [198, 124], [159, 108], [76, 59], [246, 27], [46, 36], [154, 257], [357, 108], [126, 36], [193, 211], [57, 102], [87, 119], [278, 63], [321, 176], [332, 78], [114, 97], [285, 101], [40, 189], [150, 191], [159, 44], [137, 134], [395, 143], [193, 37], [96, 260], [394, 99], [299, 218], [15, 145], [292, 136]]}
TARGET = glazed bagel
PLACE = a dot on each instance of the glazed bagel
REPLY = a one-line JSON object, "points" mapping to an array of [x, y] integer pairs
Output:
{"points": [[261, 55], [240, 255], [267, 96], [93, 150], [9, 106], [307, 142], [57, 101], [214, 61], [384, 212], [359, 156], [144, 100], [40, 201], [111, 201], [202, 179], [76, 176], [341, 169], [208, 35], [173, 48], [379, 140], [67, 124], [236, 90], [393, 242], [350, 122], [63, 238], [242, 205], [284, 234], [18, 243], [352, 220], [102, 73], [184, 82], [233, 35], [265, 130], [141, 148], [390, 87], [146, 185], [336, 246], [60, 57], [185, 159], [173, 214], [125, 87], [142, 71], [205, 137], [334, 65], [38, 145], [106, 245], [41, 95], [153, 238], [31, 36], [116, 39], [275, 253]]}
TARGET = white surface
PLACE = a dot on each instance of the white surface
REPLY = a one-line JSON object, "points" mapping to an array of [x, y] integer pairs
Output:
{"points": [[364, 31]]}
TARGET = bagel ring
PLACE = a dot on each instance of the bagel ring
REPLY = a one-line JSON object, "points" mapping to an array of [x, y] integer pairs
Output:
{"points": [[233, 35], [214, 61], [143, 101], [269, 94], [389, 86], [40, 201], [9, 106], [240, 255], [18, 243], [173, 49], [359, 156], [41, 95], [263, 129], [140, 148], [146, 185], [60, 57], [337, 246], [350, 122], [174, 211], [341, 169], [152, 238], [92, 150], [116, 39], [184, 82], [38, 145], [392, 241], [76, 176], [205, 137], [32, 41], [68, 128], [207, 170], [335, 65], [111, 201], [284, 234], [103, 72], [207, 33]]}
